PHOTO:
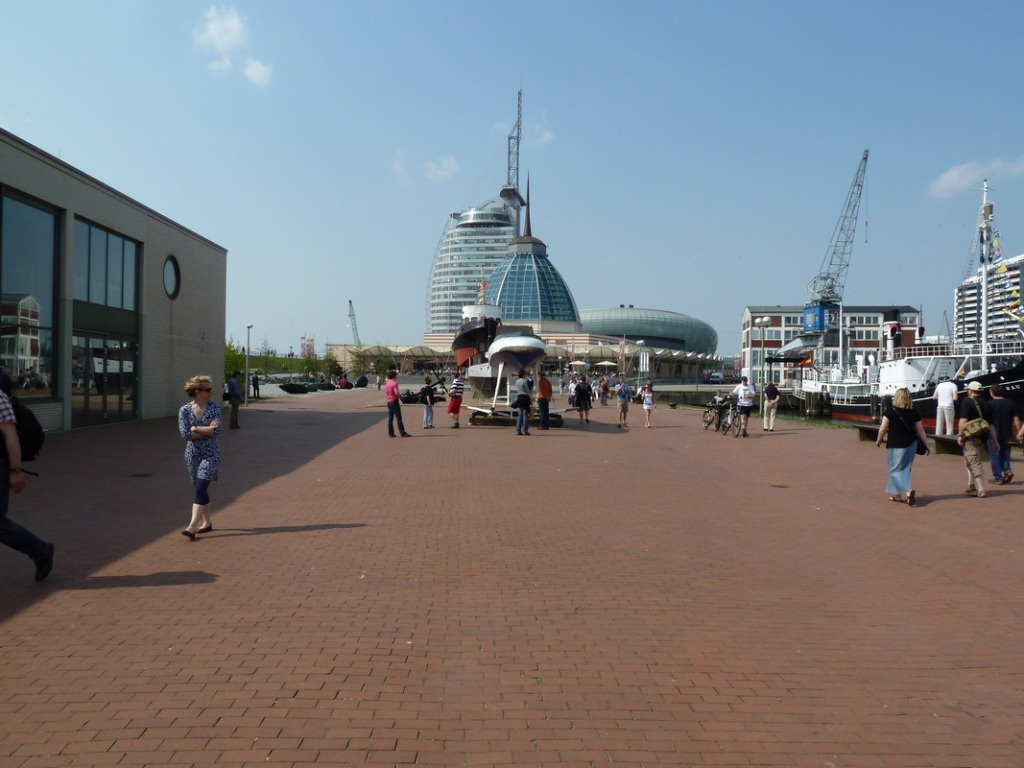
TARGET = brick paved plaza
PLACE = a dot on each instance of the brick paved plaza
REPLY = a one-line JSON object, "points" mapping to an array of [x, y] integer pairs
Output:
{"points": [[585, 596]]}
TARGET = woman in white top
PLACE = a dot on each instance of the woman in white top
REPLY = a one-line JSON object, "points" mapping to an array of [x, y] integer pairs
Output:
{"points": [[647, 397]]}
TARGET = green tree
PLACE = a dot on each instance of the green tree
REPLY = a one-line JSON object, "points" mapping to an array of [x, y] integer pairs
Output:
{"points": [[359, 363], [234, 357], [331, 365]]}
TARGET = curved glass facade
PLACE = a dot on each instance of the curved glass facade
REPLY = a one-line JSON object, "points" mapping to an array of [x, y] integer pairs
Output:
{"points": [[528, 288], [473, 244], [657, 327]]}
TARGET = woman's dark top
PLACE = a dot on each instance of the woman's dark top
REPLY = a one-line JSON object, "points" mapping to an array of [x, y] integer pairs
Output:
{"points": [[901, 434]]}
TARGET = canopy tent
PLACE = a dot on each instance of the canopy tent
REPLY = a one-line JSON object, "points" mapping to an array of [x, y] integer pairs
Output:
{"points": [[603, 352], [377, 351]]}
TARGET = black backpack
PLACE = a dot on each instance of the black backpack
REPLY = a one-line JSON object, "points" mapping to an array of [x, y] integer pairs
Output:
{"points": [[30, 431]]}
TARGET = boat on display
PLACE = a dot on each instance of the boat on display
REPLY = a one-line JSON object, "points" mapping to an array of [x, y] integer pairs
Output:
{"points": [[480, 324], [492, 355], [862, 392], [516, 349], [487, 350]]}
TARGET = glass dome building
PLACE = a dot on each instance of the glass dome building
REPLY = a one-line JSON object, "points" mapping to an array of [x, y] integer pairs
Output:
{"points": [[530, 290], [657, 328]]}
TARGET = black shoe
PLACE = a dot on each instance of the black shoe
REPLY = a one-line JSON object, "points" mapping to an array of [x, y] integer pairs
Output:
{"points": [[207, 529], [406, 434], [191, 534], [45, 563]]}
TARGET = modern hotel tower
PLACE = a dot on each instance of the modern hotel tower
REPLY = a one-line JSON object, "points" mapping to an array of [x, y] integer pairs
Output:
{"points": [[473, 244]]}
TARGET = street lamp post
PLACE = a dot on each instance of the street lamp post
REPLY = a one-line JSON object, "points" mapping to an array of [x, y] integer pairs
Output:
{"points": [[761, 322], [640, 368], [248, 331]]}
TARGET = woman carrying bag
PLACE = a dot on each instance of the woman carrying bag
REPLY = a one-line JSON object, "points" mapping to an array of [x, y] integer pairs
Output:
{"points": [[902, 427]]}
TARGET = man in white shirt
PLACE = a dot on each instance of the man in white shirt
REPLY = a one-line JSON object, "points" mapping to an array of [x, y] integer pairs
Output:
{"points": [[744, 394], [946, 394]]}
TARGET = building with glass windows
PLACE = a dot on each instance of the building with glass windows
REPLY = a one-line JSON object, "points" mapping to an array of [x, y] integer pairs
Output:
{"points": [[1004, 308], [776, 344], [474, 242], [529, 289], [655, 327], [106, 306]]}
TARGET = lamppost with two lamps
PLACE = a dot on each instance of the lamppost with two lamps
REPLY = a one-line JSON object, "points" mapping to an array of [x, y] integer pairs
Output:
{"points": [[245, 386], [761, 322]]}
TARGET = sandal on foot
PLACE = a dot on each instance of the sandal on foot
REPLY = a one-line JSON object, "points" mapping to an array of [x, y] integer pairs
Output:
{"points": [[911, 498], [897, 499]]}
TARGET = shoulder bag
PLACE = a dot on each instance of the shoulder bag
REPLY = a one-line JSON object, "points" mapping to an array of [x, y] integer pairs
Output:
{"points": [[922, 446], [976, 427]]}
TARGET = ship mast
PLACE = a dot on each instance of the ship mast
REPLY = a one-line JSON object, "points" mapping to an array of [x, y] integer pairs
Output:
{"points": [[985, 241]]}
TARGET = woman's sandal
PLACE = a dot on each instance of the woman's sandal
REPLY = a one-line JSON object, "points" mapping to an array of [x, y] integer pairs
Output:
{"points": [[911, 500], [897, 499]]}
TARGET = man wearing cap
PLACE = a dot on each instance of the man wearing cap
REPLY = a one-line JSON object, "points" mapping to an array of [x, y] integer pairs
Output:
{"points": [[971, 409], [945, 393], [744, 394]]}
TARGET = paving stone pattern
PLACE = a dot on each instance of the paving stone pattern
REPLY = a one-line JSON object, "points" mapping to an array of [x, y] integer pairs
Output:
{"points": [[585, 596]]}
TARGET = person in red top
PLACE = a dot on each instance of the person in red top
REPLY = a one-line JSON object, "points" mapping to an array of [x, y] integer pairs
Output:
{"points": [[543, 399], [394, 405]]}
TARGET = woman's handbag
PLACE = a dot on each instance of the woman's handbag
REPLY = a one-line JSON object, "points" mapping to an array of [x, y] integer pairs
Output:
{"points": [[922, 446], [976, 427]]}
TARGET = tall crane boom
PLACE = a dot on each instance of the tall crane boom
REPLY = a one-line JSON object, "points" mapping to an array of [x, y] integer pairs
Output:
{"points": [[827, 286], [352, 322]]}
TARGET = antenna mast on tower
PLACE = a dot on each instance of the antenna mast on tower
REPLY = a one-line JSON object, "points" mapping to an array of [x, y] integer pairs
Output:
{"points": [[510, 192], [513, 145]]}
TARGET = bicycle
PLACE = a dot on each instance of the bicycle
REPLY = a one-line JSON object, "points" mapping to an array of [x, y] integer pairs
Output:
{"points": [[731, 420], [710, 416]]}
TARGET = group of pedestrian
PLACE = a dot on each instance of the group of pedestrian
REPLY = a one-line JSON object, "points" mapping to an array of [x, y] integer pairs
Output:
{"points": [[745, 394], [982, 425]]}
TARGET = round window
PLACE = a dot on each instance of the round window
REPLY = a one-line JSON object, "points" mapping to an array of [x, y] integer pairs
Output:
{"points": [[172, 277]]}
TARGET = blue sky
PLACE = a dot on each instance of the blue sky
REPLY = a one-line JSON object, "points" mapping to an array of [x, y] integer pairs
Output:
{"points": [[686, 156]]}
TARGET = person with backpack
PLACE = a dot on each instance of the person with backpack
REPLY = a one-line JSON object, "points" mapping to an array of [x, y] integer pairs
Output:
{"points": [[427, 401], [11, 534], [235, 397], [584, 394]]}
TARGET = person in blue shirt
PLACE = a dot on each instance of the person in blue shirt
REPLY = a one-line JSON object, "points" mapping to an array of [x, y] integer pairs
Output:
{"points": [[623, 394], [234, 397]]}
